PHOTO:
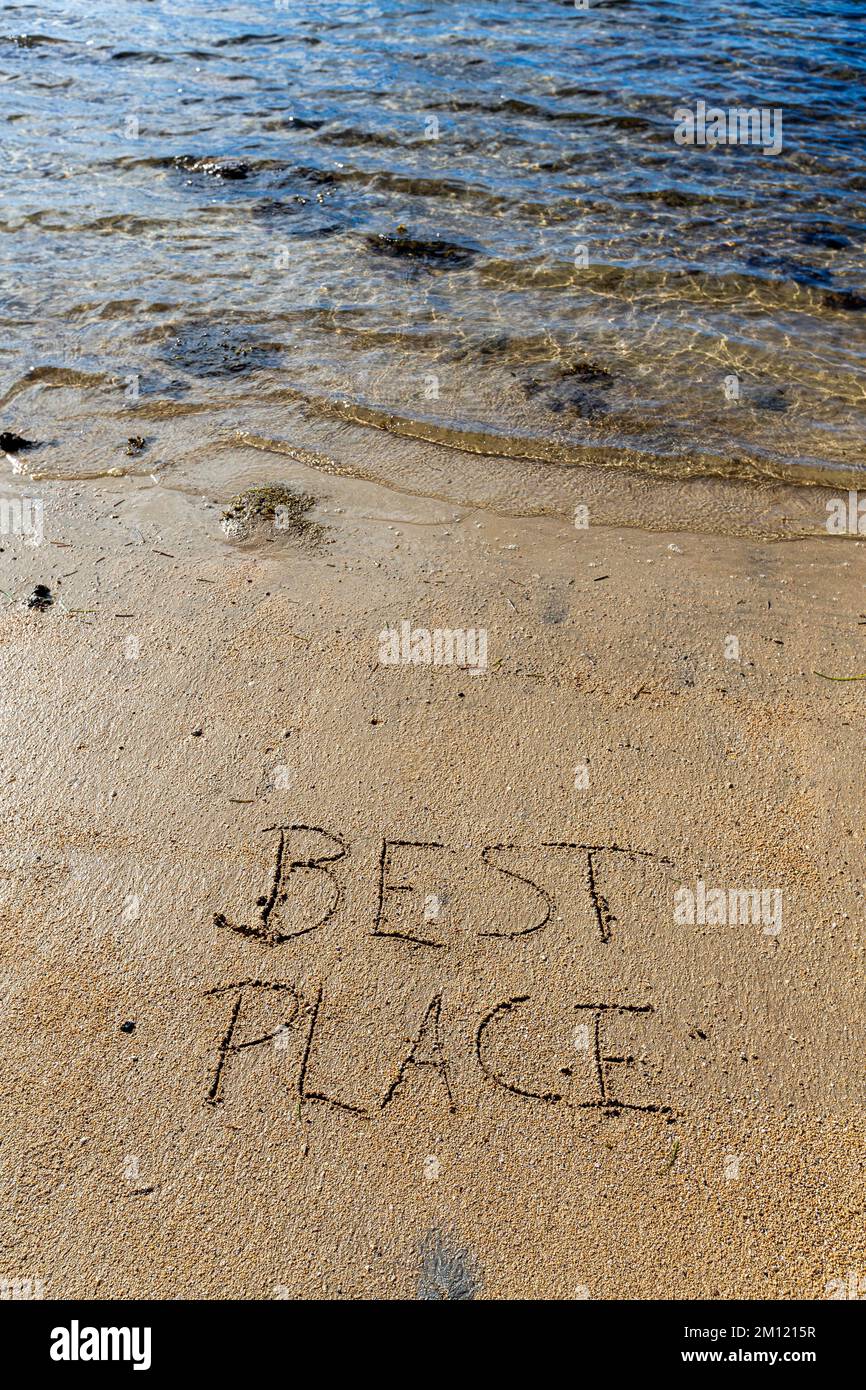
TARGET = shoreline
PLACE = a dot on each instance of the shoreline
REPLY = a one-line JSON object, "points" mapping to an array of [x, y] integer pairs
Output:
{"points": [[174, 462]]}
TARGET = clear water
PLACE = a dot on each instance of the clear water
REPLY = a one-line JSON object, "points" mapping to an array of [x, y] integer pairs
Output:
{"points": [[293, 221]]}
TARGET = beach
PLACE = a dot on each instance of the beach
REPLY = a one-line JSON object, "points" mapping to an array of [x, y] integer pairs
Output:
{"points": [[432, 603], [322, 974]]}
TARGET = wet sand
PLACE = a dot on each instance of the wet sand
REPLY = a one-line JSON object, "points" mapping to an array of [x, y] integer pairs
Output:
{"points": [[247, 1059]]}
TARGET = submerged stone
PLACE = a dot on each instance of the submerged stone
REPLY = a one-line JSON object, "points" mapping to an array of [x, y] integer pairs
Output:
{"points": [[401, 246], [214, 168]]}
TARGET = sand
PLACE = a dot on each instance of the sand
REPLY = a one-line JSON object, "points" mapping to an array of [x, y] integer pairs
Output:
{"points": [[491, 1062]]}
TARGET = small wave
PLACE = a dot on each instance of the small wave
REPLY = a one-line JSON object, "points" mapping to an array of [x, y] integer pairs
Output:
{"points": [[32, 40], [242, 40], [672, 464], [139, 55], [807, 291], [55, 376]]}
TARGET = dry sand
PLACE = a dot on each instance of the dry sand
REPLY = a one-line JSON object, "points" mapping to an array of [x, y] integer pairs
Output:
{"points": [[441, 1105]]}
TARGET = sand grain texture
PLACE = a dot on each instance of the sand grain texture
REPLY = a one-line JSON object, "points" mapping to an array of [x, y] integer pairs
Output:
{"points": [[423, 1120]]}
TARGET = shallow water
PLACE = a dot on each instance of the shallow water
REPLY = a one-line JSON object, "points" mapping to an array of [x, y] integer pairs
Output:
{"points": [[320, 221]]}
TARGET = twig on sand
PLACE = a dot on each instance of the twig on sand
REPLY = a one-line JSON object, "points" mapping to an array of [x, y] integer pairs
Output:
{"points": [[672, 1157], [838, 678]]}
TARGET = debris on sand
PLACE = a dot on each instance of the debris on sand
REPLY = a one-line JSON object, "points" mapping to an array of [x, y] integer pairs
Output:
{"points": [[277, 505], [447, 1273], [40, 599], [12, 443], [135, 445]]}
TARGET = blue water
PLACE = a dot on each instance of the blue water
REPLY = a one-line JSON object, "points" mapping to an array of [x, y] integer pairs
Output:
{"points": [[221, 211]]}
